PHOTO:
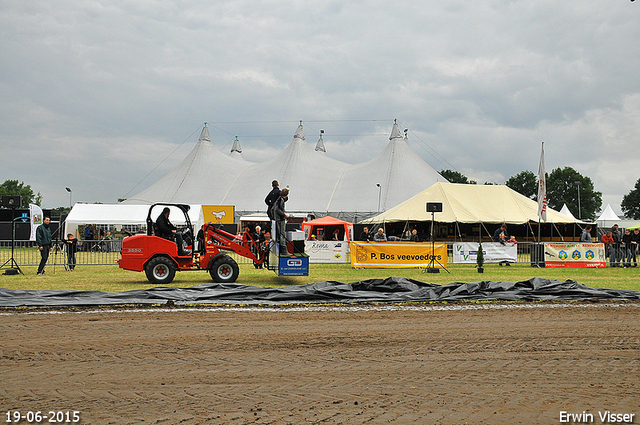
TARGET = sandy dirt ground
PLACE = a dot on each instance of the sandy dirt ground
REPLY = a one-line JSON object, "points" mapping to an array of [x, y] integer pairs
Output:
{"points": [[469, 366]]}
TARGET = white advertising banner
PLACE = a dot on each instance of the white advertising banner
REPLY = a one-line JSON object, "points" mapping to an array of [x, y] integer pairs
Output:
{"points": [[327, 251], [36, 217], [494, 252]]}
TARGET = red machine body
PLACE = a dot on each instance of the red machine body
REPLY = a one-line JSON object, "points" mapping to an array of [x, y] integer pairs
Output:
{"points": [[159, 259]]}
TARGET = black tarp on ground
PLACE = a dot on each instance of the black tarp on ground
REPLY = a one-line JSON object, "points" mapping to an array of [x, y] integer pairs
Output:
{"points": [[393, 289]]}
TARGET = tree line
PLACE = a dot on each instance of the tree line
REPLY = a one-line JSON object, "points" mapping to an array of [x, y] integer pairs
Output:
{"points": [[564, 186]]}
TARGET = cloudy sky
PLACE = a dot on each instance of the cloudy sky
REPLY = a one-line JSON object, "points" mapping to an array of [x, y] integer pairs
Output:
{"points": [[106, 96]]}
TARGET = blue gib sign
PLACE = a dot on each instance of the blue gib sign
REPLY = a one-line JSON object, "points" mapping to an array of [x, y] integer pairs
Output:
{"points": [[25, 217], [294, 266]]}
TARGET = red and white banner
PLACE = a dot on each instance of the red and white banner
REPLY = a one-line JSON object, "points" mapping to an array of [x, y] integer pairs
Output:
{"points": [[574, 255]]}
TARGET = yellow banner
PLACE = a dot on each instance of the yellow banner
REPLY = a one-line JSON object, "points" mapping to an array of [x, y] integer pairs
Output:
{"points": [[398, 254], [222, 214]]}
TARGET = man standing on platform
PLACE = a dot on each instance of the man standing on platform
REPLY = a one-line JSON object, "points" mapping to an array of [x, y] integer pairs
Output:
{"points": [[280, 217], [271, 198]]}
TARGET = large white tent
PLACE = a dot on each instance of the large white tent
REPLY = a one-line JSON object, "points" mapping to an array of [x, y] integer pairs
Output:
{"points": [[203, 177], [310, 176], [318, 183], [469, 203], [399, 172]]}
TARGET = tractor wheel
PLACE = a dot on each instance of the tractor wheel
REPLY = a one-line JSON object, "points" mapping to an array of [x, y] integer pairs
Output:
{"points": [[224, 270], [160, 270]]}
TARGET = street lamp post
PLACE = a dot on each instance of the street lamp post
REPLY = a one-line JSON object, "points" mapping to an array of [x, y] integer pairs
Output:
{"points": [[68, 189], [579, 212], [379, 192]]}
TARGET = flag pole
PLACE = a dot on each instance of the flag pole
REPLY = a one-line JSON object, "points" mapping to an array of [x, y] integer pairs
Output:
{"points": [[542, 199]]}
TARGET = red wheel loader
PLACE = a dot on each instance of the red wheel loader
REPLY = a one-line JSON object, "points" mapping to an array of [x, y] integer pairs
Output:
{"points": [[159, 259]]}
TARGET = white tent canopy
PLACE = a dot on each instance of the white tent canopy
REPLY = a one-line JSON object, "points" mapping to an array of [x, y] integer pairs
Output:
{"points": [[203, 177], [120, 214], [608, 214], [310, 176], [469, 203], [399, 171], [565, 210], [317, 182]]}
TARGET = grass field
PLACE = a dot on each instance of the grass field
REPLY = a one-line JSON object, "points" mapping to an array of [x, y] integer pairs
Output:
{"points": [[112, 279]]}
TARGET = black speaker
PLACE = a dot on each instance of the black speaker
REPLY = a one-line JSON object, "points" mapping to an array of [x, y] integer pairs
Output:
{"points": [[434, 207], [11, 201]]}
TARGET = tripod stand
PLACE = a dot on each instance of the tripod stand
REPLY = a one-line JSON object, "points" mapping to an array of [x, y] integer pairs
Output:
{"points": [[432, 265], [13, 265]]}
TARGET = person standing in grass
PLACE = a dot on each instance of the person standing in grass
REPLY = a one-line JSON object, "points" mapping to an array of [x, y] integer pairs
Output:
{"points": [[43, 239], [71, 244]]}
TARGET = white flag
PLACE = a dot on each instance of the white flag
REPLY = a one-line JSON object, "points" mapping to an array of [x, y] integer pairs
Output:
{"points": [[35, 217], [542, 189]]}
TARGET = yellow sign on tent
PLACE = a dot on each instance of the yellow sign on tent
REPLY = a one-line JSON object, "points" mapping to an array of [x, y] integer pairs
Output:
{"points": [[223, 214], [400, 254]]}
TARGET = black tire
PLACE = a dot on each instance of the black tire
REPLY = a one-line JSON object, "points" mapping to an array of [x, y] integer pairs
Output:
{"points": [[224, 270], [160, 270]]}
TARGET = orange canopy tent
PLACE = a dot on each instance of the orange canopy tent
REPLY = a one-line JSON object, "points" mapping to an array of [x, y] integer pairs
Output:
{"points": [[323, 229]]}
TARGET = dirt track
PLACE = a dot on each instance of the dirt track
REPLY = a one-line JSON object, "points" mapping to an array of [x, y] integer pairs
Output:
{"points": [[487, 366]]}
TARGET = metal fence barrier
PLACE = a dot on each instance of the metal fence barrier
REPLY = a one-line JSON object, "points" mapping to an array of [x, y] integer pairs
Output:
{"points": [[89, 253], [92, 253]]}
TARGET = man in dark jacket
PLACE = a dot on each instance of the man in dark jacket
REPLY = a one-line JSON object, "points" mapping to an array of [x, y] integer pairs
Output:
{"points": [[280, 217], [167, 230], [43, 239], [272, 197], [365, 236]]}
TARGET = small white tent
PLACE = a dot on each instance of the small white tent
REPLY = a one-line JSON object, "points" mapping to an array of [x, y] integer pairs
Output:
{"points": [[565, 210], [120, 214], [608, 218]]}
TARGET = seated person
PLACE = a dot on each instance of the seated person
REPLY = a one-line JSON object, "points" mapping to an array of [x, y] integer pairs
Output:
{"points": [[380, 236], [167, 230]]}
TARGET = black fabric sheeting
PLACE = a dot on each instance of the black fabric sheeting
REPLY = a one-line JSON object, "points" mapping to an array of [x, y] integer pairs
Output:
{"points": [[392, 289]]}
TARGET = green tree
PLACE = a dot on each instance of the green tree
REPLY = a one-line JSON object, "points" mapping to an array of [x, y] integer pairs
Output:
{"points": [[525, 183], [631, 203], [562, 189], [13, 188], [456, 177]]}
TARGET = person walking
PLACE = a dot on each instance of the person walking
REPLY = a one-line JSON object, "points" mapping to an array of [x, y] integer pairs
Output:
{"points": [[585, 236], [43, 239]]}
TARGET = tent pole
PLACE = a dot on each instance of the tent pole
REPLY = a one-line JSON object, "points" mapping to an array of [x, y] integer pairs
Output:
{"points": [[557, 230], [406, 226], [485, 228]]}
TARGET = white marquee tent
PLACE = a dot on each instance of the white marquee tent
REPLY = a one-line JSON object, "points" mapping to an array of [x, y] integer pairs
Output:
{"points": [[202, 178], [318, 184], [470, 203]]}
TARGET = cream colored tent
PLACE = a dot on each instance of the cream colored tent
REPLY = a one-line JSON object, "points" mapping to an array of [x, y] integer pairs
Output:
{"points": [[469, 203]]}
